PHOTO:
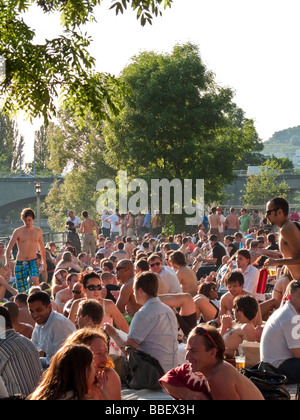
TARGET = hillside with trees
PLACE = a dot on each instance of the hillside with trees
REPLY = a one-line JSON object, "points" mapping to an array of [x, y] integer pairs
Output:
{"points": [[283, 142]]}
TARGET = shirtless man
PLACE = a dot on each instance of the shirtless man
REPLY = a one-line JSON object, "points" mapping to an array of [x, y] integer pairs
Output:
{"points": [[289, 236], [87, 227], [232, 223], [186, 276], [235, 283], [205, 353], [245, 309], [213, 220], [28, 238], [19, 327], [126, 302]]}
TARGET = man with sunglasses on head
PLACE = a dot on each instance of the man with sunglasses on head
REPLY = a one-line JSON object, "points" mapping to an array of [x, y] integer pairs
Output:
{"points": [[205, 354], [277, 213]]}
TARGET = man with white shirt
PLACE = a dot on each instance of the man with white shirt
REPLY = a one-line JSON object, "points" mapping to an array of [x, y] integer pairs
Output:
{"points": [[114, 223], [51, 329], [169, 279], [153, 329], [249, 272], [280, 342]]}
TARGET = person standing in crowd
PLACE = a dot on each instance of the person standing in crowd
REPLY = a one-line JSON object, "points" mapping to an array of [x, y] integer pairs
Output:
{"points": [[73, 223], [245, 221], [213, 220], [29, 239], [114, 221], [105, 224], [87, 228], [232, 224]]}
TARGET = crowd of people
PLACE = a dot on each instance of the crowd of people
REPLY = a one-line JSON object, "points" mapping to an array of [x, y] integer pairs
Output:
{"points": [[70, 312]]}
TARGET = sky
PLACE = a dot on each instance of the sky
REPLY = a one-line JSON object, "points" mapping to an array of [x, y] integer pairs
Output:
{"points": [[252, 46]]}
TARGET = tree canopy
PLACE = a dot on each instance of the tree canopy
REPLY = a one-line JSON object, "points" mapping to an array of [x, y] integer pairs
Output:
{"points": [[36, 75], [176, 122]]}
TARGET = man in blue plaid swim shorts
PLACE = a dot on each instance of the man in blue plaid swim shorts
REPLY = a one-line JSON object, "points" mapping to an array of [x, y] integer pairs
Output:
{"points": [[29, 240], [24, 271]]}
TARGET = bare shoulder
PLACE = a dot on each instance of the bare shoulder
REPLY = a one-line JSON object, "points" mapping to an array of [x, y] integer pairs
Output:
{"points": [[222, 372], [289, 229], [227, 298]]}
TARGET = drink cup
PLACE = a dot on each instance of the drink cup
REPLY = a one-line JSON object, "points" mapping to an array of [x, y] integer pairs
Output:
{"points": [[240, 363], [272, 271]]}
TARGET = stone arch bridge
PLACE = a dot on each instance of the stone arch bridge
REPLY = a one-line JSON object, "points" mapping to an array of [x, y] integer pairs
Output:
{"points": [[18, 191]]}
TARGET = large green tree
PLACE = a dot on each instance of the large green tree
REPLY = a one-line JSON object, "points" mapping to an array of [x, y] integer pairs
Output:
{"points": [[177, 122], [37, 74]]}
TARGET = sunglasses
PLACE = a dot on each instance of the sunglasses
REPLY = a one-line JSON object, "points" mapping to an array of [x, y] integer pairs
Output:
{"points": [[76, 292], [157, 264], [93, 288], [202, 332], [268, 212]]}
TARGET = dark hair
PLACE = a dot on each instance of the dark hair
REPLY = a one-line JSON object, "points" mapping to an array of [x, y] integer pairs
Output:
{"points": [[6, 315], [280, 203], [108, 264], [121, 246], [206, 288], [148, 282], [93, 309], [22, 298], [85, 213], [272, 238], [143, 264], [27, 213], [39, 297], [233, 277], [244, 253], [248, 305], [87, 276], [178, 258]]}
